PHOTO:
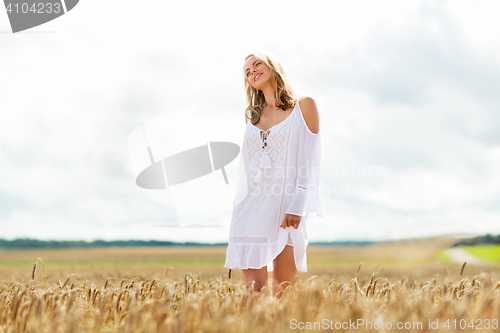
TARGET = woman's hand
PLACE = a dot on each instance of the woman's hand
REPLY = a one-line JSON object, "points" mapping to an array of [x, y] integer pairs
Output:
{"points": [[291, 220]]}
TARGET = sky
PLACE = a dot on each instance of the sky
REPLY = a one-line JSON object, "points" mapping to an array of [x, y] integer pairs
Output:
{"points": [[407, 94]]}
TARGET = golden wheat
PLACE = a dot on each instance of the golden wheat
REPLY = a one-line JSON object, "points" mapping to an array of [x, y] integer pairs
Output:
{"points": [[196, 304]]}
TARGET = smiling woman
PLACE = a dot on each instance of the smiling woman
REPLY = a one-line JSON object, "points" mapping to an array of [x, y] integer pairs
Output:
{"points": [[278, 184]]}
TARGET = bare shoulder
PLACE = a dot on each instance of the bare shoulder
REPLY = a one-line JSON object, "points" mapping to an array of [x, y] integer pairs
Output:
{"points": [[310, 112]]}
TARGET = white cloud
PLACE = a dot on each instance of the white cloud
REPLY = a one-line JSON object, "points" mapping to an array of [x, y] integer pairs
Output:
{"points": [[407, 87]]}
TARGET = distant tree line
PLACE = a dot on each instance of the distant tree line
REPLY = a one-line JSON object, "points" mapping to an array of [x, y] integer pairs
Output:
{"points": [[28, 243], [486, 239]]}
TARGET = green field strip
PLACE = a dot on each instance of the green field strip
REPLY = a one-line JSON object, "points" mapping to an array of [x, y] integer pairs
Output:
{"points": [[490, 252]]}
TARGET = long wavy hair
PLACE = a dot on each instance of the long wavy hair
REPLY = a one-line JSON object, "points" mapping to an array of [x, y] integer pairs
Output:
{"points": [[285, 97]]}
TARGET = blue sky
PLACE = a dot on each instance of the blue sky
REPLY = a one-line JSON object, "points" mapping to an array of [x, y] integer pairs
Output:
{"points": [[407, 94]]}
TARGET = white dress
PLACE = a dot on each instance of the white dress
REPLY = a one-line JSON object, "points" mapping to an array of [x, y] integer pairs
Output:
{"points": [[278, 173]]}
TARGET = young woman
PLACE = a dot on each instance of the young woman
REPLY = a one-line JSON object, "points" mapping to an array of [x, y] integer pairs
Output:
{"points": [[278, 184]]}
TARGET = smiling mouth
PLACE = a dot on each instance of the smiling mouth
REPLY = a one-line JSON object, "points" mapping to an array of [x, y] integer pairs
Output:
{"points": [[257, 76]]}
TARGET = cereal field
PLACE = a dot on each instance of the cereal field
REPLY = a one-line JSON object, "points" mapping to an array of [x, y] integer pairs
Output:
{"points": [[407, 286]]}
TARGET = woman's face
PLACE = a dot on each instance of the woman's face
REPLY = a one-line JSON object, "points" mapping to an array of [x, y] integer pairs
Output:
{"points": [[257, 72]]}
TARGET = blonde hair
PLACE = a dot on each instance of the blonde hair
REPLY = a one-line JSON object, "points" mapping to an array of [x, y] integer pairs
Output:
{"points": [[285, 97]]}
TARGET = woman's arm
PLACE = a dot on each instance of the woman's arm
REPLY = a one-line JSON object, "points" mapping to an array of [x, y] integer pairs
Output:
{"points": [[310, 113]]}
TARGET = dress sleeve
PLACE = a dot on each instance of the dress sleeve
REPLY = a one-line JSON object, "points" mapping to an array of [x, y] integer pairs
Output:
{"points": [[306, 199], [241, 188]]}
